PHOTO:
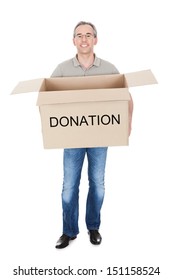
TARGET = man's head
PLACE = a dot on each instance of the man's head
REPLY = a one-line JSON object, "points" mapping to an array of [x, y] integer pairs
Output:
{"points": [[85, 37], [85, 23]]}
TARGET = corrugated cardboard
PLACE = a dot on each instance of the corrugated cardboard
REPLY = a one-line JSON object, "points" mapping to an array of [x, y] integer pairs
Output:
{"points": [[90, 111]]}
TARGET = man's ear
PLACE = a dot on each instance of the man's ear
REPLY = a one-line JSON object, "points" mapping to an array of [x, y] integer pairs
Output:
{"points": [[74, 42], [95, 41]]}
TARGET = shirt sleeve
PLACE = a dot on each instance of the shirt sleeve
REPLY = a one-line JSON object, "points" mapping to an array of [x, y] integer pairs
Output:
{"points": [[115, 70], [57, 72]]}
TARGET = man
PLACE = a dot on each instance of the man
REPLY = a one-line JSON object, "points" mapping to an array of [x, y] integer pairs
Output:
{"points": [[85, 63]]}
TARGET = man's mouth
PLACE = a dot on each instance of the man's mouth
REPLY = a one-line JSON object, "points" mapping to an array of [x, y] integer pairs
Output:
{"points": [[84, 45]]}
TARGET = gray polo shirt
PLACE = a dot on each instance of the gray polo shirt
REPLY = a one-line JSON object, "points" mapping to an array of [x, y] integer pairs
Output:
{"points": [[72, 67]]}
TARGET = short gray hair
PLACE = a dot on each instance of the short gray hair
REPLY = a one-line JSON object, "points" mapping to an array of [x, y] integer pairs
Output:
{"points": [[86, 23]]}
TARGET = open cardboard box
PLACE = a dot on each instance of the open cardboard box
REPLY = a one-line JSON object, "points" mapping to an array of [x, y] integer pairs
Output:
{"points": [[89, 111]]}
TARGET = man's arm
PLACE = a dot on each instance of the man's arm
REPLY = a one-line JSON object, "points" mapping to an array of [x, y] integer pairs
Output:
{"points": [[130, 114], [57, 72]]}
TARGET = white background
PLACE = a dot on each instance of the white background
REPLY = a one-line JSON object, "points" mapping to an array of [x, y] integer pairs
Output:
{"points": [[137, 213]]}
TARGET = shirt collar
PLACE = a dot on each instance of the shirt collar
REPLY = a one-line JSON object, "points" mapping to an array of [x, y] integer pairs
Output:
{"points": [[95, 63]]}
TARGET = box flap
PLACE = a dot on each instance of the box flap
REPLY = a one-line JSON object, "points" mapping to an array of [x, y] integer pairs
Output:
{"points": [[29, 86], [75, 96], [139, 78]]}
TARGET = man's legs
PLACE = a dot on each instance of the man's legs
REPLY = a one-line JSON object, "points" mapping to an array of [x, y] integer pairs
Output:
{"points": [[96, 172], [73, 162]]}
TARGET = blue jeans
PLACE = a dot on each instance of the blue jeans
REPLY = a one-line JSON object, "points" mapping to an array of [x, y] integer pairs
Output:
{"points": [[73, 162]]}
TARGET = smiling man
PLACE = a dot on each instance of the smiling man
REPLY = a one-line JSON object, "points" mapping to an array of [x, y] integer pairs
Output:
{"points": [[85, 63]]}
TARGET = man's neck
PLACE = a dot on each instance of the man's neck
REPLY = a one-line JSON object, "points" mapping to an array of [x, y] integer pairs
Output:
{"points": [[86, 60]]}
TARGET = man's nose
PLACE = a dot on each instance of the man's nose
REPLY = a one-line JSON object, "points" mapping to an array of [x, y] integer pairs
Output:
{"points": [[84, 37]]}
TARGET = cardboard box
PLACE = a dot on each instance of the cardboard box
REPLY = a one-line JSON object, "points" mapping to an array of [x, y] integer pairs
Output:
{"points": [[90, 111]]}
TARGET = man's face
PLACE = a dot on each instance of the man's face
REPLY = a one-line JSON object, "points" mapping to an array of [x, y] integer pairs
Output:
{"points": [[84, 39]]}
